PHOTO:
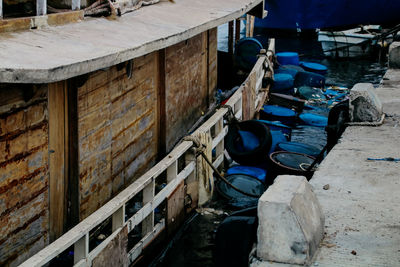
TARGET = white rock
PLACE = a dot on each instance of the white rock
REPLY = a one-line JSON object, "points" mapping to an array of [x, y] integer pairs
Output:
{"points": [[365, 106], [291, 222]]}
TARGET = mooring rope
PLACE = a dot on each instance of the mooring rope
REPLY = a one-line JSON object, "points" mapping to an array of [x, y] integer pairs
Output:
{"points": [[199, 147]]}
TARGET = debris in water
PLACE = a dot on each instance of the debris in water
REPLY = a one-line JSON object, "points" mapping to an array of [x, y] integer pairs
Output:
{"points": [[384, 159], [353, 252], [326, 187]]}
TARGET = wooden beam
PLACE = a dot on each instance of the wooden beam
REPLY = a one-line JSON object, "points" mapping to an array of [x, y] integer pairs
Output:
{"points": [[72, 157], [162, 126], [56, 102], [76, 4], [237, 30], [41, 7], [230, 38]]}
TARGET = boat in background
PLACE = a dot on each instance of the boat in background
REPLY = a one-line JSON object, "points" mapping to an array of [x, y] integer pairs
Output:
{"points": [[350, 43], [327, 14]]}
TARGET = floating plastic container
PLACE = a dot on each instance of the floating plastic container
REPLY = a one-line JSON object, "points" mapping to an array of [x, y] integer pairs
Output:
{"points": [[249, 141], [313, 119], [258, 173], [298, 148], [288, 58], [293, 163], [282, 83], [306, 78], [310, 93], [314, 67], [277, 126], [281, 70], [248, 184], [246, 52], [277, 137], [277, 113]]}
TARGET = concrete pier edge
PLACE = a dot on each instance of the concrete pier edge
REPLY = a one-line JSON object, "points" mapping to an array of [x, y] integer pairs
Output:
{"points": [[357, 186]]}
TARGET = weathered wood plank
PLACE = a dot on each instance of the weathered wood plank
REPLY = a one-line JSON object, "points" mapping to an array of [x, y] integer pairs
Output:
{"points": [[57, 158]]}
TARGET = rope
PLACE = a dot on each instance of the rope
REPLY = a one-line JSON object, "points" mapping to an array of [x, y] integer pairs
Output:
{"points": [[199, 147]]}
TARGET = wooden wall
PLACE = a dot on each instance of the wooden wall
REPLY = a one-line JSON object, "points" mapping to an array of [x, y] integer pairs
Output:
{"points": [[24, 179], [190, 81], [117, 129], [116, 124]]}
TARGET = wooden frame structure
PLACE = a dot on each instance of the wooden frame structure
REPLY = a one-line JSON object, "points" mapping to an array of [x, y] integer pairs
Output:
{"points": [[145, 185]]}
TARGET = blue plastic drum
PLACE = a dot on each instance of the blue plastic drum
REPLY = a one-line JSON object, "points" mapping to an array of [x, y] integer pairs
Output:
{"points": [[277, 126], [277, 113], [282, 83], [313, 119], [258, 173], [314, 67], [306, 78], [246, 53], [277, 137], [298, 148], [288, 58]]}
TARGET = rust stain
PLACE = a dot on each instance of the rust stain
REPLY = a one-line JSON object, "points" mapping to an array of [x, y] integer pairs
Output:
{"points": [[23, 203], [13, 256], [24, 226], [18, 157], [16, 110], [10, 136], [21, 180], [127, 163], [151, 125]]}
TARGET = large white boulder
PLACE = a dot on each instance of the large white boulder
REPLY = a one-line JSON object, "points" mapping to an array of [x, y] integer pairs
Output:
{"points": [[291, 222], [364, 106]]}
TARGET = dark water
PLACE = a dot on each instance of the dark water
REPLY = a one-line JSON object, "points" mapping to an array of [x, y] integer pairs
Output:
{"points": [[195, 243]]}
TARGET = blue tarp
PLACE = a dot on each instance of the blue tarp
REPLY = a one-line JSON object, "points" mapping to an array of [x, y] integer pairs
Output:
{"points": [[313, 14]]}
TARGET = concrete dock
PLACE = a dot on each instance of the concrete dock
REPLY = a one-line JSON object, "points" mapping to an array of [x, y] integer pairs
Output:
{"points": [[362, 202], [358, 188]]}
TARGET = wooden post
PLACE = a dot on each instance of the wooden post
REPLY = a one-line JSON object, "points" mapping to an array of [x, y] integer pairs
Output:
{"points": [[247, 25], [118, 218], [41, 7], [76, 4], [237, 30], [57, 162], [219, 149], [230, 38], [81, 248], [162, 116], [148, 195], [251, 30]]}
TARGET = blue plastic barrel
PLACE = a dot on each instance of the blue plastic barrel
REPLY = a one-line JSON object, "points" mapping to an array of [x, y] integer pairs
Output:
{"points": [[277, 113], [282, 83], [249, 141], [258, 173], [288, 58], [307, 78], [277, 137], [246, 52], [314, 67], [277, 126], [313, 119], [298, 148], [282, 70]]}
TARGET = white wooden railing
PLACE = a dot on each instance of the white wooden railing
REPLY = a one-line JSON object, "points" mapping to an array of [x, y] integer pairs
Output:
{"points": [[78, 237]]}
